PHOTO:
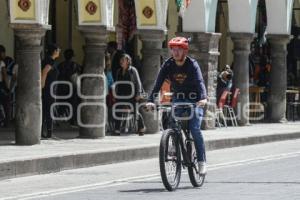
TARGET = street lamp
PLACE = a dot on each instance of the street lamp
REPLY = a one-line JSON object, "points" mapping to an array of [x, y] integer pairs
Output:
{"points": [[29, 19]]}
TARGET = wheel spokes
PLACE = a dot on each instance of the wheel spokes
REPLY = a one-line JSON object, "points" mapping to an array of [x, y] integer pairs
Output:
{"points": [[171, 161]]}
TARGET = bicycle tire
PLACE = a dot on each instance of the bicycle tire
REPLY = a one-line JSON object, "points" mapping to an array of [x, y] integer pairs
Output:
{"points": [[163, 158], [196, 179]]}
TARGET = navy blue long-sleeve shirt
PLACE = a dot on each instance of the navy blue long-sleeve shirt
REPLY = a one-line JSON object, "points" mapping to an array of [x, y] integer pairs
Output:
{"points": [[186, 80]]}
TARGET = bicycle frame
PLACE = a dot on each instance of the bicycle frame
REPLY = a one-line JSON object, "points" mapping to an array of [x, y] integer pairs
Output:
{"points": [[177, 150], [183, 136], [185, 140]]}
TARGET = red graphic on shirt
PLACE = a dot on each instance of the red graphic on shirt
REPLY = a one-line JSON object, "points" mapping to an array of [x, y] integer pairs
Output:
{"points": [[180, 78]]}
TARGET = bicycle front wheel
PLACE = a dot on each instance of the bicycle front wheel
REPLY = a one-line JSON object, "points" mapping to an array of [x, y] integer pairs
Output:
{"points": [[196, 178], [170, 160]]}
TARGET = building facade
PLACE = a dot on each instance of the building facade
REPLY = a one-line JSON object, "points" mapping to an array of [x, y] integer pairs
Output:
{"points": [[222, 32]]}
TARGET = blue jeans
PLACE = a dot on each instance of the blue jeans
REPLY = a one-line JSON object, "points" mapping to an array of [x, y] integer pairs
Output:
{"points": [[194, 126]]}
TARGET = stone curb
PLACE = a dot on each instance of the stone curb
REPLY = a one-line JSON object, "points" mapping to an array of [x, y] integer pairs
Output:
{"points": [[29, 167]]}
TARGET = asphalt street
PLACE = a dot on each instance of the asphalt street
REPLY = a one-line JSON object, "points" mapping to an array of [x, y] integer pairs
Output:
{"points": [[267, 171]]}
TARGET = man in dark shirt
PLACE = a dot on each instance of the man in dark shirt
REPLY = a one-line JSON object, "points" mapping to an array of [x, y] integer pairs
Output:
{"points": [[4, 86], [187, 86], [49, 75], [68, 70]]}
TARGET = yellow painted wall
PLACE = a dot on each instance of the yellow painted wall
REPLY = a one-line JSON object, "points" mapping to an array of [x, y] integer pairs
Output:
{"points": [[226, 44], [6, 33], [297, 12], [172, 19], [62, 31], [62, 25], [77, 40], [112, 35]]}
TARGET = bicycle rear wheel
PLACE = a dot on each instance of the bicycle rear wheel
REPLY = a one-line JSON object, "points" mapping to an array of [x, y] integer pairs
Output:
{"points": [[196, 179], [170, 160]]}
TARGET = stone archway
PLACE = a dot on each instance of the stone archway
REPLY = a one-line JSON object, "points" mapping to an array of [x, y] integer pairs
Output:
{"points": [[6, 34], [297, 12]]}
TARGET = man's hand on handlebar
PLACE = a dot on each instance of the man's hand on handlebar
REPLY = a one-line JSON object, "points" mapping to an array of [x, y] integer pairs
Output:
{"points": [[150, 106]]}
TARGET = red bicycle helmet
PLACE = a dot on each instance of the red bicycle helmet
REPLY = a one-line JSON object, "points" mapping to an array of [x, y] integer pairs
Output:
{"points": [[180, 42]]}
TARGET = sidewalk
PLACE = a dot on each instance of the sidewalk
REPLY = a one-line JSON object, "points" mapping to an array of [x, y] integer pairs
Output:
{"points": [[60, 154]]}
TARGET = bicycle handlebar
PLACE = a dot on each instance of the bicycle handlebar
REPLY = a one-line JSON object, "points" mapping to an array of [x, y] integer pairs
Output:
{"points": [[174, 105]]}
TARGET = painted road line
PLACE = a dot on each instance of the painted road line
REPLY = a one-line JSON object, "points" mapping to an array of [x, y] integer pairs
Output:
{"points": [[125, 181]]}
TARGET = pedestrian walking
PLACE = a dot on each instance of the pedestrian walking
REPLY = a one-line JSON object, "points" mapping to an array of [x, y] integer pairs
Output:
{"points": [[49, 75]]}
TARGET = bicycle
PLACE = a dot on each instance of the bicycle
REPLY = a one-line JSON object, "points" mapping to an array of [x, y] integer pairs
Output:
{"points": [[128, 119], [176, 142]]}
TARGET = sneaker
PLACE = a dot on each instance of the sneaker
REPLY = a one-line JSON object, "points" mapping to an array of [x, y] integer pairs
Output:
{"points": [[142, 131], [55, 138], [44, 138], [202, 168]]}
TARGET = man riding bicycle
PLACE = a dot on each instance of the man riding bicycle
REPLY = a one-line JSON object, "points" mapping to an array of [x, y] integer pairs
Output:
{"points": [[187, 85]]}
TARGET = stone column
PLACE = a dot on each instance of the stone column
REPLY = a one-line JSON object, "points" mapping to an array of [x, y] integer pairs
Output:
{"points": [[241, 53], [278, 79], [165, 54], [93, 107], [204, 48], [28, 96], [151, 52]]}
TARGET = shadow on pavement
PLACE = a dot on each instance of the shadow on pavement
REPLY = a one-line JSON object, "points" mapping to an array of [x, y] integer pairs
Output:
{"points": [[156, 190]]}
